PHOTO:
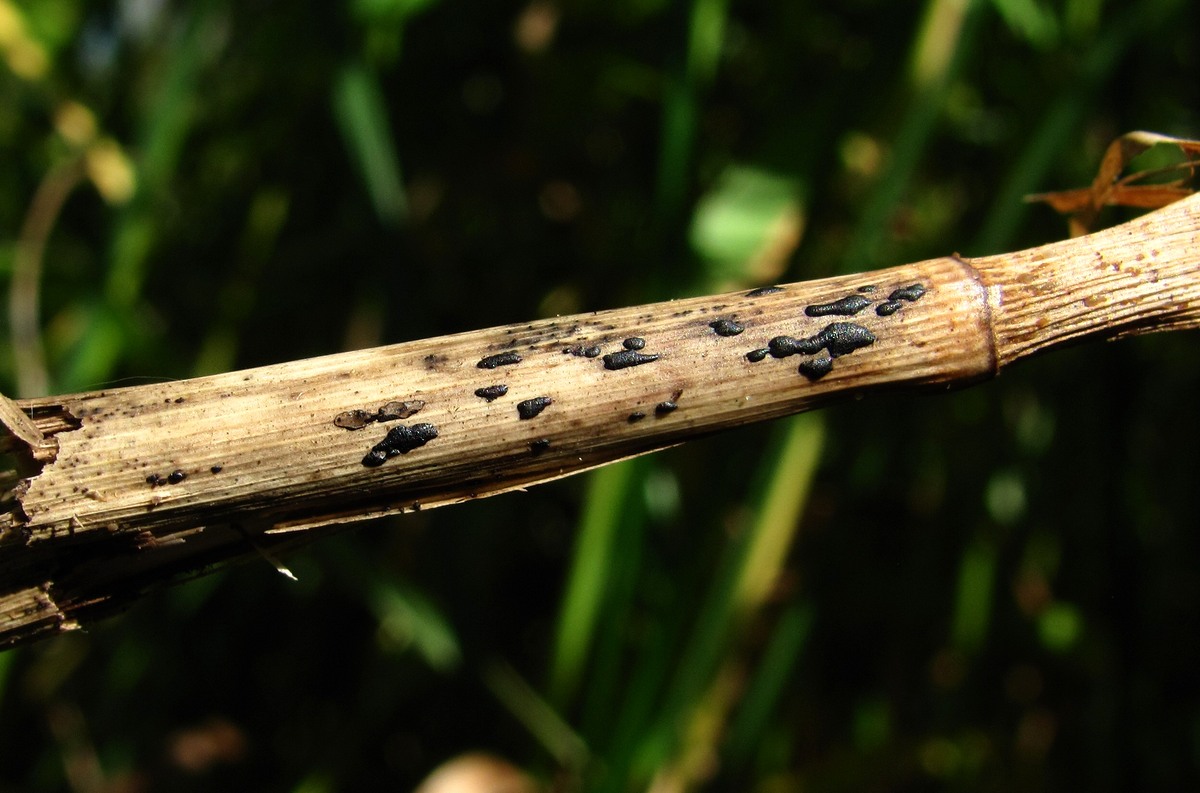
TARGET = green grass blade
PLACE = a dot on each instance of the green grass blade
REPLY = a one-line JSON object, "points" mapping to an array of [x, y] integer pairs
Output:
{"points": [[361, 113], [588, 581]]}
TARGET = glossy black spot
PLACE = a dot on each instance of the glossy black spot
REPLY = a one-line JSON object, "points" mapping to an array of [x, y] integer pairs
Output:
{"points": [[843, 338], [592, 352], [867, 288], [539, 446], [727, 327], [888, 308], [846, 307], [816, 368], [499, 359], [636, 416], [175, 477], [400, 440], [754, 356], [783, 346], [764, 290], [911, 293], [627, 358], [531, 407], [216, 469], [154, 480], [665, 407], [840, 338], [634, 343], [491, 392]]}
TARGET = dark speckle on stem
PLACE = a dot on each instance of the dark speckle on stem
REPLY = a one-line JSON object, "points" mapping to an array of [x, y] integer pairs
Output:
{"points": [[531, 407], [626, 358], [727, 327], [491, 392], [539, 446], [500, 359], [636, 416], [867, 288]]}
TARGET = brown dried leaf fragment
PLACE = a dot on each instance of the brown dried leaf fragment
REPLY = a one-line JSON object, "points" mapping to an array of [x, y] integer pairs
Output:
{"points": [[1109, 188]]}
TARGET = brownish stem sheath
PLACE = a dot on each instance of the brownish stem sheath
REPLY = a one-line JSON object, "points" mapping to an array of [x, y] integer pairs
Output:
{"points": [[129, 488]]}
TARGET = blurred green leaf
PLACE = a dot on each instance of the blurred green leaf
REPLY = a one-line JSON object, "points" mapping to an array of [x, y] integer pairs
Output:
{"points": [[973, 601], [1059, 626], [739, 221], [361, 113], [588, 579], [1031, 20]]}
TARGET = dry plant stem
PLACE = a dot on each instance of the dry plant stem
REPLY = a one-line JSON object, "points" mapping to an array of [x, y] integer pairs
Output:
{"points": [[134, 487]]}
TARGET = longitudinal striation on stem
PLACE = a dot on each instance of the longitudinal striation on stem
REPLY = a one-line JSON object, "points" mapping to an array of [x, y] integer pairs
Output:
{"points": [[112, 492]]}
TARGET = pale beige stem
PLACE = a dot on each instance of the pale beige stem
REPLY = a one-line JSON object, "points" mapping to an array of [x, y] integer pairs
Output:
{"points": [[159, 481]]}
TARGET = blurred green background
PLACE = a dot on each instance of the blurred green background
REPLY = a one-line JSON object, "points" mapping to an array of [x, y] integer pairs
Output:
{"points": [[994, 589]]}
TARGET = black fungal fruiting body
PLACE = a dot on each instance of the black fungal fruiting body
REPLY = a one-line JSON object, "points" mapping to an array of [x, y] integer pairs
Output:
{"points": [[173, 478], [627, 358], [754, 356], [727, 327], [580, 351], [491, 392], [531, 407], [839, 338], [499, 359], [817, 367], [636, 416], [634, 343], [846, 307], [764, 290], [843, 338], [663, 408], [400, 440], [867, 288], [539, 446], [783, 346], [216, 469], [912, 293]]}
